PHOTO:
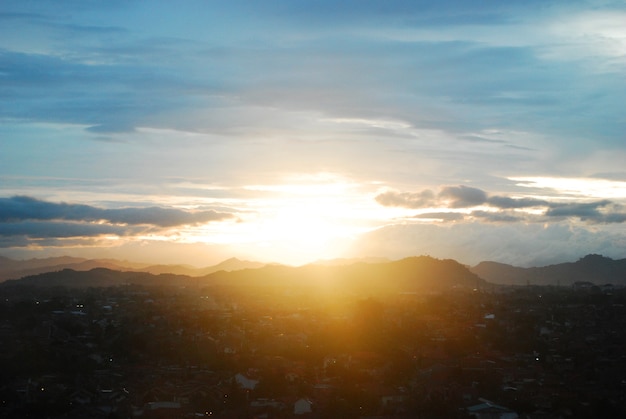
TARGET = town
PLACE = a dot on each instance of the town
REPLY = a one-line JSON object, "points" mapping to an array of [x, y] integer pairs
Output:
{"points": [[227, 351]]}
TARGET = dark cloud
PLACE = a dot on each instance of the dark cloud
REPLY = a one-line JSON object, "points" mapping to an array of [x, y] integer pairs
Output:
{"points": [[617, 217], [459, 197], [51, 229], [463, 196], [496, 217], [599, 212], [8, 242], [22, 208], [590, 210], [163, 217], [506, 202]]}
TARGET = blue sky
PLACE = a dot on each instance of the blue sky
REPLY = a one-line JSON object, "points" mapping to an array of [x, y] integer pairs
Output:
{"points": [[292, 131]]}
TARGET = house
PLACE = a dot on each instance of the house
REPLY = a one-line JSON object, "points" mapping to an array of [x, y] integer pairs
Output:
{"points": [[583, 286], [302, 406], [607, 288], [490, 410], [162, 410], [245, 382], [292, 376]]}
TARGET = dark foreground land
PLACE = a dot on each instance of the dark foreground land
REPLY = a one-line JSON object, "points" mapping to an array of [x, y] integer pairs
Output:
{"points": [[274, 352]]}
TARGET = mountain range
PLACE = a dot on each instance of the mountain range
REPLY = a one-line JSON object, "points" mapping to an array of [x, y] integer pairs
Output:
{"points": [[593, 268], [406, 274], [15, 269]]}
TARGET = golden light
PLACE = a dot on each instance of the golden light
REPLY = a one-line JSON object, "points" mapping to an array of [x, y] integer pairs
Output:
{"points": [[299, 219]]}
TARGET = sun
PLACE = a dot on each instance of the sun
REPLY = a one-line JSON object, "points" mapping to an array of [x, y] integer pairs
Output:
{"points": [[311, 219], [305, 219], [300, 219]]}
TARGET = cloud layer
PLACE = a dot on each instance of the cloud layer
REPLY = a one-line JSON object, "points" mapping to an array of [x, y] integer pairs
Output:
{"points": [[23, 216], [463, 201]]}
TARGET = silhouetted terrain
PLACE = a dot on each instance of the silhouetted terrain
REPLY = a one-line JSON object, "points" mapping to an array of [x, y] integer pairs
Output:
{"points": [[596, 269], [418, 337], [14, 269], [406, 275]]}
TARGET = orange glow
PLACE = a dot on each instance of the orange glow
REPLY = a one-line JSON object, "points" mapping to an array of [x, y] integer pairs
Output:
{"points": [[301, 219]]}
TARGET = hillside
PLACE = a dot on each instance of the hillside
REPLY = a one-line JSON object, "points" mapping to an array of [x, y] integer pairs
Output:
{"points": [[406, 275], [15, 269], [591, 268]]}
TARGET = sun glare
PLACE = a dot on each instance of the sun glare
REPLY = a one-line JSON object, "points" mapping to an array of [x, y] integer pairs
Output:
{"points": [[299, 219]]}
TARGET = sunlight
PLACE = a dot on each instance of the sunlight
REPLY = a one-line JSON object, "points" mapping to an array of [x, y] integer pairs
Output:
{"points": [[302, 218], [306, 217], [585, 187]]}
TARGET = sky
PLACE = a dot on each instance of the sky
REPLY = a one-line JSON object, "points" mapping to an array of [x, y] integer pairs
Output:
{"points": [[293, 131]]}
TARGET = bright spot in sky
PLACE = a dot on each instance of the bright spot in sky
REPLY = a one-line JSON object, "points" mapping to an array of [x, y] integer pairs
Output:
{"points": [[580, 187], [301, 219]]}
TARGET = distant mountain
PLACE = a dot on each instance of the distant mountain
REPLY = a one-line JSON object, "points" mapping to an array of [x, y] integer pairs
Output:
{"points": [[97, 277], [233, 264], [591, 268], [416, 274], [170, 269], [14, 269], [406, 275], [421, 272], [349, 261]]}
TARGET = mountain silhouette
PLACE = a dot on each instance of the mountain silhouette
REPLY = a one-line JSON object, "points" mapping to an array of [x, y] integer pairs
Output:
{"points": [[14, 269], [415, 274], [592, 268]]}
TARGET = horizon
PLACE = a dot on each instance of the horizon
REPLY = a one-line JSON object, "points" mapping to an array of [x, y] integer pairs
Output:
{"points": [[293, 133], [320, 262]]}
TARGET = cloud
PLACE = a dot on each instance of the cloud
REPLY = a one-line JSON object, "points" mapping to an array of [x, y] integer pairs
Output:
{"points": [[407, 92], [421, 199], [506, 202], [476, 63], [22, 208], [581, 210], [466, 197], [117, 93], [602, 212], [454, 197], [47, 229], [463, 196], [443, 216], [496, 217]]}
